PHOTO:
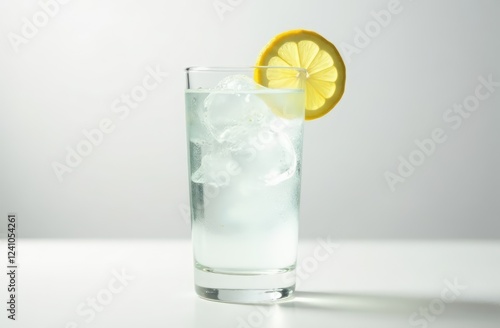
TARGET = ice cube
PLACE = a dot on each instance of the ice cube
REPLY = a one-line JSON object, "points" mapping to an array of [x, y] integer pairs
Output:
{"points": [[285, 162], [238, 83], [245, 130], [213, 168], [231, 111], [268, 159]]}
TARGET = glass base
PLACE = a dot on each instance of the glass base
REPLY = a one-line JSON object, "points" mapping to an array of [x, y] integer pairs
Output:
{"points": [[248, 296], [232, 287]]}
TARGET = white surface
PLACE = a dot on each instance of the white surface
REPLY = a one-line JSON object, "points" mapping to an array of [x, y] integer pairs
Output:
{"points": [[67, 77], [361, 284]]}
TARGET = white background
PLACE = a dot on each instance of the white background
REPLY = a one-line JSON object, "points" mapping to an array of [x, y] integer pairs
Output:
{"points": [[66, 76]]}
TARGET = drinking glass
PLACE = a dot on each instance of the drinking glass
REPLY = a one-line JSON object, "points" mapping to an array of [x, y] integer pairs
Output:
{"points": [[245, 152]]}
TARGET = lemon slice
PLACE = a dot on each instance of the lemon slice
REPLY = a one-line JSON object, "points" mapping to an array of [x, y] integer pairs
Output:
{"points": [[326, 75]]}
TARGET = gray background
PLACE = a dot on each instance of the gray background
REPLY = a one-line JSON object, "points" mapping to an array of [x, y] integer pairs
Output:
{"points": [[66, 77]]}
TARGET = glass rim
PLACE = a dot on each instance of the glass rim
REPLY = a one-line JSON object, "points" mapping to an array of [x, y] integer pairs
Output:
{"points": [[221, 69]]}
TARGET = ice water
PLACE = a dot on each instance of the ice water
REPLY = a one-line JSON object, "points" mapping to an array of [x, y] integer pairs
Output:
{"points": [[245, 150]]}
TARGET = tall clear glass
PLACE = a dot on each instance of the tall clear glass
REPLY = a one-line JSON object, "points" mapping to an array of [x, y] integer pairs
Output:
{"points": [[245, 152]]}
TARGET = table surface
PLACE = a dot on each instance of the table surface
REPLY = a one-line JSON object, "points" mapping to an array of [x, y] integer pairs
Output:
{"points": [[149, 283]]}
